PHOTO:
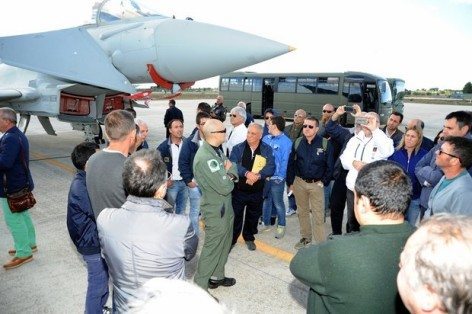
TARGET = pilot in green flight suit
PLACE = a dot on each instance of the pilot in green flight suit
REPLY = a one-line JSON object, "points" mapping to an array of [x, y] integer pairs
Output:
{"points": [[215, 175]]}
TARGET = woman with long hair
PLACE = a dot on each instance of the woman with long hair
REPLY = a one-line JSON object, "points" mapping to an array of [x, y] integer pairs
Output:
{"points": [[407, 154]]}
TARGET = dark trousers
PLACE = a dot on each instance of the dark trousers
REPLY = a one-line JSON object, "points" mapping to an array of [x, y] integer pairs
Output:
{"points": [[337, 202], [352, 224], [252, 201]]}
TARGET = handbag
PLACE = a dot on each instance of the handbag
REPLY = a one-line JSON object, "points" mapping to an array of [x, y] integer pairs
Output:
{"points": [[23, 199]]}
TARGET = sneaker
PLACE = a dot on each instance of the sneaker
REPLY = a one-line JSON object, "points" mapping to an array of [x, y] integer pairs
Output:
{"points": [[280, 232], [263, 227], [17, 262], [302, 243], [251, 246], [290, 212], [34, 249]]}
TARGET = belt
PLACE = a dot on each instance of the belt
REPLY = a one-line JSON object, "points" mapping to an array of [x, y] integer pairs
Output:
{"points": [[311, 180]]}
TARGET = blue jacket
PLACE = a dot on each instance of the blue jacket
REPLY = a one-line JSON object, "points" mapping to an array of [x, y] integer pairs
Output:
{"points": [[11, 161], [187, 154], [281, 146], [80, 217], [266, 152], [311, 161], [429, 174], [401, 157], [166, 152]]}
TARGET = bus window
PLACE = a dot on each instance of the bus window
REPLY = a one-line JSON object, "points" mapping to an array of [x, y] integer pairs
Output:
{"points": [[247, 84], [328, 85], [306, 85], [224, 83], [236, 84], [257, 84], [351, 88], [385, 92], [287, 84]]}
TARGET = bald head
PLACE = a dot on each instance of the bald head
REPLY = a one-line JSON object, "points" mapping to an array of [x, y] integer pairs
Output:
{"points": [[213, 132], [415, 123]]}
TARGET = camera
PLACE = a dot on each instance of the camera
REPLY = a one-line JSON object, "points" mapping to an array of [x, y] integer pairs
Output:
{"points": [[361, 120], [348, 109]]}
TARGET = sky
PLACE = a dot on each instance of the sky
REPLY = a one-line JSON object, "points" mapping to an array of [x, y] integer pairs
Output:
{"points": [[428, 43]]}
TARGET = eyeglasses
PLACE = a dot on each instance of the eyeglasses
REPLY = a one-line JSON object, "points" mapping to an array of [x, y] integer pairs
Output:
{"points": [[233, 115], [308, 126], [220, 131], [327, 111], [440, 152]]}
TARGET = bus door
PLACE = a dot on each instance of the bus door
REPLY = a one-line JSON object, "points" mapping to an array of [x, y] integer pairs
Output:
{"points": [[370, 97], [268, 94]]}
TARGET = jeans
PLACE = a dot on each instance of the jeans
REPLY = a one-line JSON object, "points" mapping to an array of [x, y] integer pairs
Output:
{"points": [[327, 194], [177, 196], [291, 201], [274, 203], [413, 212], [194, 195], [97, 277], [21, 228]]}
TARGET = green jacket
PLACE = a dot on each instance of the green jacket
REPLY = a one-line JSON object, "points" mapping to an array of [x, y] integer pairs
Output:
{"points": [[214, 182], [354, 273]]}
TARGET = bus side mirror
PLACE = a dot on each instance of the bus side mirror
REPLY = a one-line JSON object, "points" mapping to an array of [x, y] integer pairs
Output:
{"points": [[354, 98]]}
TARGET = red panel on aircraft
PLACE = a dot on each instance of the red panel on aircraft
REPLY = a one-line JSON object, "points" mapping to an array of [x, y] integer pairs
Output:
{"points": [[113, 103], [75, 105]]}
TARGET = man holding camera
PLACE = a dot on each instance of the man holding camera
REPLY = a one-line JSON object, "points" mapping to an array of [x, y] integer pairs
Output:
{"points": [[369, 145]]}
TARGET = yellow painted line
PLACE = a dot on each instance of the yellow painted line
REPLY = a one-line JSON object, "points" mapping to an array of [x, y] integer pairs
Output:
{"points": [[271, 250], [54, 162], [265, 248]]}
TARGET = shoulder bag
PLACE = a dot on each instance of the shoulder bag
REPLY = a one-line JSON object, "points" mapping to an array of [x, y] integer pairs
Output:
{"points": [[23, 199]]}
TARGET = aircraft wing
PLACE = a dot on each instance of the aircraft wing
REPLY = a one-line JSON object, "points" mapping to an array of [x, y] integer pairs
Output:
{"points": [[70, 54]]}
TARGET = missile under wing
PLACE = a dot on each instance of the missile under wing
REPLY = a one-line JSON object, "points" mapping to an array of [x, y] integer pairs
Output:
{"points": [[80, 74]]}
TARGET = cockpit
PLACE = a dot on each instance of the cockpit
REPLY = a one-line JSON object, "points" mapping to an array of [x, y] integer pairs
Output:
{"points": [[112, 10]]}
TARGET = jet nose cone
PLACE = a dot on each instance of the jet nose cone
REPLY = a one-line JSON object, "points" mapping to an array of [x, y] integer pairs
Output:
{"points": [[191, 51]]}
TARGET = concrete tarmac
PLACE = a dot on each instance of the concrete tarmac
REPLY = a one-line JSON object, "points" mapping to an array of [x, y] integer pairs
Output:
{"points": [[56, 280]]}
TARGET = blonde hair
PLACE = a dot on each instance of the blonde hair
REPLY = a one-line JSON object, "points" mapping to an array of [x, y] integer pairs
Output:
{"points": [[419, 132]]}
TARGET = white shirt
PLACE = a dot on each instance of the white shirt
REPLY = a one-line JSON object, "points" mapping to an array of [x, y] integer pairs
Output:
{"points": [[234, 137], [175, 160], [367, 150]]}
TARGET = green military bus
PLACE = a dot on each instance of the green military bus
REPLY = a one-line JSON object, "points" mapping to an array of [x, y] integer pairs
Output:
{"points": [[287, 92]]}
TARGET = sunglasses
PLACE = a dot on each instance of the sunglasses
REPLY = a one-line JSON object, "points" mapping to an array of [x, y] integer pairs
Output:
{"points": [[440, 152], [308, 126], [267, 118], [220, 131], [327, 111], [233, 115]]}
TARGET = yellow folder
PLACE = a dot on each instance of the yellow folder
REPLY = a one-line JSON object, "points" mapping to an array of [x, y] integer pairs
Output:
{"points": [[259, 163]]}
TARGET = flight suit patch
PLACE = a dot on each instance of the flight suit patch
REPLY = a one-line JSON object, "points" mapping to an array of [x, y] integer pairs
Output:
{"points": [[214, 165]]}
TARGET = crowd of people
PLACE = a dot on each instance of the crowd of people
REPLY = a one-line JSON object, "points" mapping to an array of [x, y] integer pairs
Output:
{"points": [[127, 204]]}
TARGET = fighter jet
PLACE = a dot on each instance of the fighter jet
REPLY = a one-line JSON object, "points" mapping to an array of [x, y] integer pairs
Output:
{"points": [[78, 75]]}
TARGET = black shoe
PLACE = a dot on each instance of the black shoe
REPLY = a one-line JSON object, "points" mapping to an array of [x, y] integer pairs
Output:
{"points": [[251, 246], [272, 221], [225, 282]]}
